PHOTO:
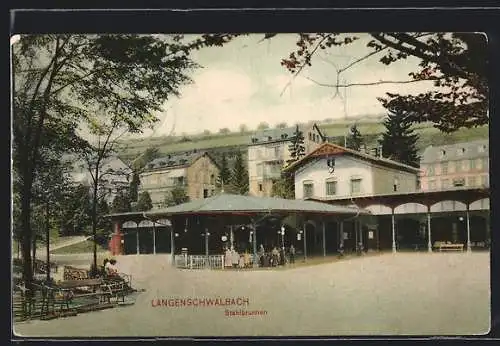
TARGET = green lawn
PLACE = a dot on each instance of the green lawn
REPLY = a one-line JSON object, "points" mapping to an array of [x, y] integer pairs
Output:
{"points": [[370, 130], [83, 247]]}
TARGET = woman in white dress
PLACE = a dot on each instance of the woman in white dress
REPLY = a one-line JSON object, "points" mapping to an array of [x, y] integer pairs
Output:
{"points": [[227, 258]]}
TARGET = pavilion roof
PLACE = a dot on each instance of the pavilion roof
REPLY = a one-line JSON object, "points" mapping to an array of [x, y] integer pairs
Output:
{"points": [[228, 203]]}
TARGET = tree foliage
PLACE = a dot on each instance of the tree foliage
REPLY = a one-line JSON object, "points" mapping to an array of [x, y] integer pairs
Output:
{"points": [[262, 126], [239, 176], [140, 162], [284, 187], [225, 174], [456, 64], [399, 142], [135, 182], [121, 203], [61, 79], [243, 128], [354, 138], [176, 196], [144, 202], [296, 146]]}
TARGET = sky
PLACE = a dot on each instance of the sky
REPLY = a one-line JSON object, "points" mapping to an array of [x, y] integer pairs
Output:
{"points": [[243, 83]]}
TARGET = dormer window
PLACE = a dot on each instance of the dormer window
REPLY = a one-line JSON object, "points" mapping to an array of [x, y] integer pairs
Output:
{"points": [[482, 148], [396, 184], [269, 138], [442, 153], [460, 151]]}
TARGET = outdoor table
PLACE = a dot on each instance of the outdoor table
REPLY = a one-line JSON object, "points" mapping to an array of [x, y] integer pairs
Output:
{"points": [[68, 284]]}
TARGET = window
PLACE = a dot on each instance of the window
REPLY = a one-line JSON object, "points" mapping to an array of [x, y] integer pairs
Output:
{"points": [[180, 181], [308, 189], [212, 179], [260, 187], [458, 166], [479, 163], [260, 170], [276, 151], [445, 183], [459, 182], [472, 181], [395, 186], [432, 184], [465, 165], [472, 164], [430, 170], [444, 168], [205, 193], [331, 188], [310, 136], [355, 185]]}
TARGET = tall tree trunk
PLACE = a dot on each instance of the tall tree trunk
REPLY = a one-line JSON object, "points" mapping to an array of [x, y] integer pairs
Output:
{"points": [[94, 218], [34, 251], [26, 232]]}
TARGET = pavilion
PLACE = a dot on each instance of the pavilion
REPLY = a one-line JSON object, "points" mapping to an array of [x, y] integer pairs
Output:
{"points": [[206, 226]]}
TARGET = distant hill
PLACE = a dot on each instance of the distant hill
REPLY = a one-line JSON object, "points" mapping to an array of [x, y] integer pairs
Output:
{"points": [[370, 128]]}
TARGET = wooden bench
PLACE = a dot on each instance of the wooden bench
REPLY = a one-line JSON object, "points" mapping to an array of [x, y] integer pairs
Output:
{"points": [[446, 246], [72, 273], [114, 289]]}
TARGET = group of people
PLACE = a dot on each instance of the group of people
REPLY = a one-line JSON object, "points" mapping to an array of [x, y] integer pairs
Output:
{"points": [[109, 267], [276, 256], [273, 258], [232, 259]]}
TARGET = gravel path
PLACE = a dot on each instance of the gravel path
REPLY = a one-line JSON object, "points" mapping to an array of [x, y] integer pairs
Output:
{"points": [[405, 293]]}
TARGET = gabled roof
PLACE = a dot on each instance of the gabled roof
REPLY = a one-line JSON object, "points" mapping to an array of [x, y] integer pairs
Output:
{"points": [[327, 149], [177, 160], [228, 204]]}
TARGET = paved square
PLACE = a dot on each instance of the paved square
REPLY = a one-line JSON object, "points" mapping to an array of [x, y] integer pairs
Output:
{"points": [[390, 294]]}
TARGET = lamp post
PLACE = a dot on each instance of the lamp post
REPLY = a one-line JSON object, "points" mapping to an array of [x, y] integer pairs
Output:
{"points": [[206, 241], [282, 232]]}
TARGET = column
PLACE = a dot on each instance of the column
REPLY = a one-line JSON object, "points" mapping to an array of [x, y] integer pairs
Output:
{"points": [[206, 241], [172, 244], [341, 234], [115, 245], [360, 228], [305, 243], [324, 239], [355, 226], [154, 239], [429, 235], [137, 237], [231, 237], [393, 219], [254, 241], [468, 227]]}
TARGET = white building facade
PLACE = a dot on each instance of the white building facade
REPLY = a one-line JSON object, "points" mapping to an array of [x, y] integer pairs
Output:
{"points": [[269, 152], [333, 172]]}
